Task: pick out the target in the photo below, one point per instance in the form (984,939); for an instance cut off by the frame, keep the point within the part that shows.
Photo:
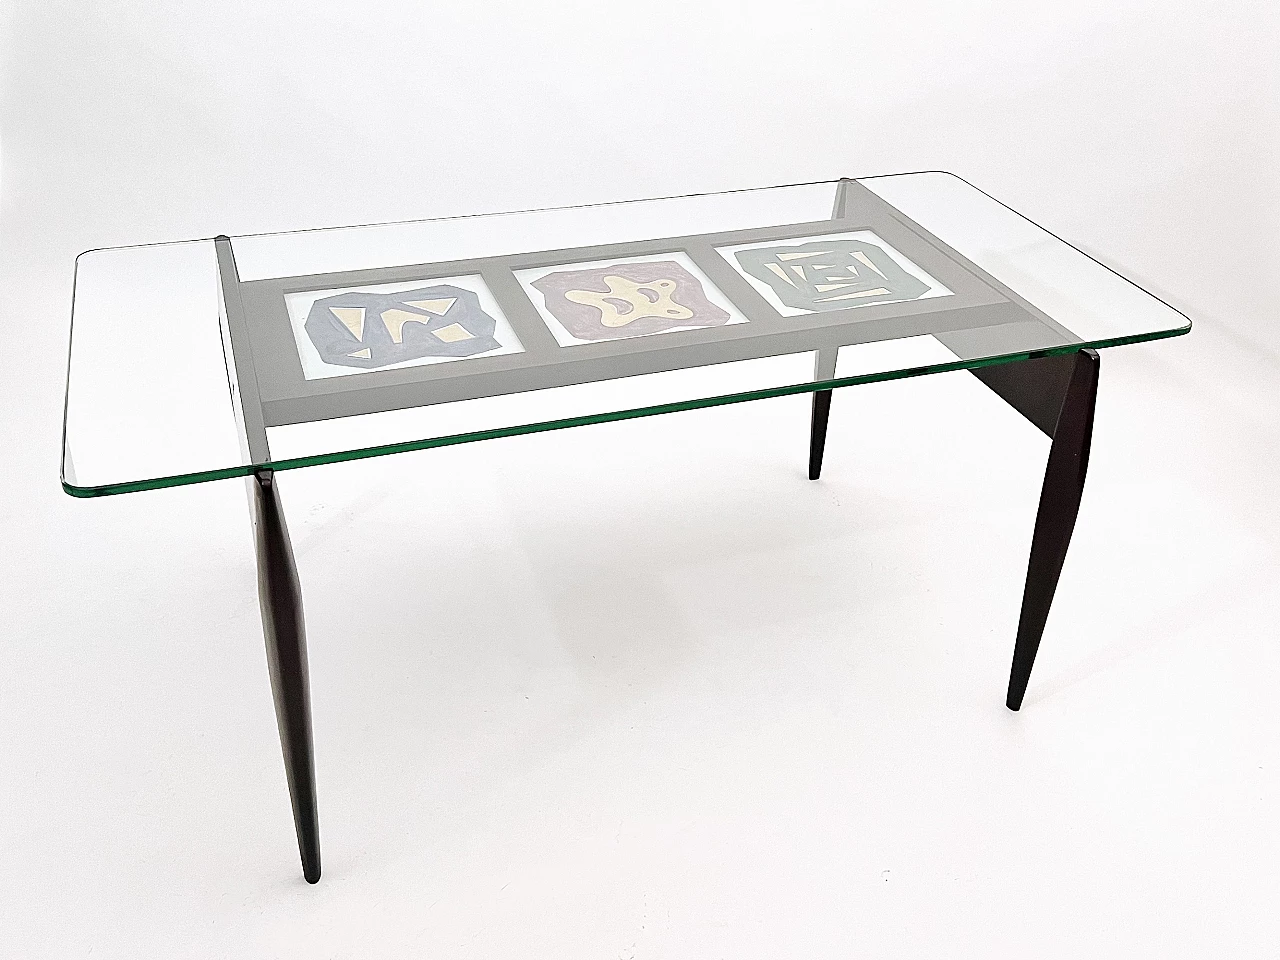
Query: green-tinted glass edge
(405,446)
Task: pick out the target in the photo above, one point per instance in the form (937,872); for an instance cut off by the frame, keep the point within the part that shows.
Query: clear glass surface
(362,341)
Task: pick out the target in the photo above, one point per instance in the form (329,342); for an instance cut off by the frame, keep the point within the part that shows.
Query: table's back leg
(818,431)
(282,623)
(1056,518)
(824,368)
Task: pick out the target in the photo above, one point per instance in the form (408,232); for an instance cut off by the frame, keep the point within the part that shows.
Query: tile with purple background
(628,297)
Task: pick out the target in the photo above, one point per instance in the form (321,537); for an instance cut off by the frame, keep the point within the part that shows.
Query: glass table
(244,356)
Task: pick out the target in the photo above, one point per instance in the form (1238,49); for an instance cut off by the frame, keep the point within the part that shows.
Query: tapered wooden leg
(1056,518)
(824,368)
(281,598)
(818,431)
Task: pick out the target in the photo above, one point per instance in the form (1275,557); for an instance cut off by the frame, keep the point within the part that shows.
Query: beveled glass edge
(765,393)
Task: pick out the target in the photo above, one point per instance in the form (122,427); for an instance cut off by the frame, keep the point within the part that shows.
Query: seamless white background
(641,690)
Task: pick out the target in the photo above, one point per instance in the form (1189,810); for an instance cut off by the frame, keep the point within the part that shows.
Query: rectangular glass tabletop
(208,359)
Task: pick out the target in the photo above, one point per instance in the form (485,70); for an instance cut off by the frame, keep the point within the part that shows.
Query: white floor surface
(643,690)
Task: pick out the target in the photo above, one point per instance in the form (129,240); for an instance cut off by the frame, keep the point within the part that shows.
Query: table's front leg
(1057,394)
(282,623)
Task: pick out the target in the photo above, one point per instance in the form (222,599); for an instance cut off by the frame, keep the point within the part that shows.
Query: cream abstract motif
(830,274)
(627,300)
(352,318)
(370,330)
(394,320)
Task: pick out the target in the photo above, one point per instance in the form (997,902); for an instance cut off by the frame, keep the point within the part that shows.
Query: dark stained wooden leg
(1059,504)
(281,598)
(824,368)
(818,431)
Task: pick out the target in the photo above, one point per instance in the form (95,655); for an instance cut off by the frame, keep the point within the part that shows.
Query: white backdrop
(775,725)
